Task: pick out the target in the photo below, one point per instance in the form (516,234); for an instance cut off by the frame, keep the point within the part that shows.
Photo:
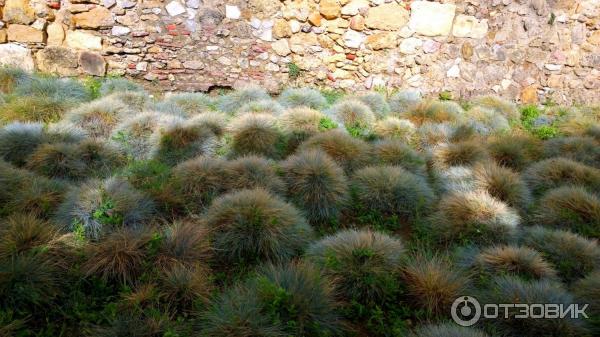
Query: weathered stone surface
(315,19)
(232,12)
(469,26)
(387,17)
(120,30)
(57,60)
(382,41)
(410,45)
(529,95)
(282,29)
(354,7)
(18,11)
(26,34)
(92,63)
(431,18)
(281,47)
(82,40)
(330,9)
(14,55)
(175,8)
(353,39)
(99,17)
(56,34)
(3,36)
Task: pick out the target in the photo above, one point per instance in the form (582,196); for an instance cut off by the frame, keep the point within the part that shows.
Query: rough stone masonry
(528,50)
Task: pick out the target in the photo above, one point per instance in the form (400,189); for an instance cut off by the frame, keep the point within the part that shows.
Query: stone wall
(530,50)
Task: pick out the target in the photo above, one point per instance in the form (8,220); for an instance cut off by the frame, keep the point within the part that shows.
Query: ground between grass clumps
(311,213)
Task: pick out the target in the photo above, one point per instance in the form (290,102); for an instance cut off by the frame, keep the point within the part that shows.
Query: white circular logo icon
(466,311)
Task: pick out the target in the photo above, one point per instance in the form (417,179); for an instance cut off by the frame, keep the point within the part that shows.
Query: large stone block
(382,41)
(56,34)
(387,17)
(469,26)
(16,56)
(330,9)
(57,60)
(25,34)
(82,40)
(18,11)
(431,18)
(98,17)
(92,63)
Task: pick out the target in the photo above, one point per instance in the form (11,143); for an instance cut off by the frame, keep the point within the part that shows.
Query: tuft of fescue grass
(356,116)
(301,123)
(231,102)
(403,101)
(120,257)
(572,255)
(249,227)
(11,77)
(435,112)
(99,206)
(302,97)
(118,85)
(44,109)
(215,121)
(458,154)
(432,284)
(519,261)
(192,103)
(100,117)
(397,153)
(500,106)
(473,217)
(25,192)
(195,183)
(572,208)
(503,184)
(58,89)
(184,288)
(506,289)
(24,233)
(184,243)
(136,101)
(18,140)
(289,300)
(514,151)
(587,291)
(430,135)
(182,141)
(556,172)
(585,150)
(315,184)
(376,102)
(349,152)
(363,265)
(447,330)
(265,106)
(391,191)
(60,161)
(394,128)
(487,121)
(254,172)
(257,134)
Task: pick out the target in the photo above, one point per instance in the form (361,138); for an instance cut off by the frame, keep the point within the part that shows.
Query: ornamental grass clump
(349,152)
(184,243)
(570,208)
(391,191)
(556,172)
(503,107)
(458,154)
(250,227)
(118,86)
(301,123)
(376,102)
(100,117)
(515,151)
(572,255)
(403,101)
(253,172)
(265,106)
(302,97)
(503,184)
(257,134)
(179,142)
(192,103)
(435,112)
(194,184)
(397,153)
(510,289)
(288,300)
(233,101)
(316,185)
(363,265)
(98,207)
(585,150)
(394,128)
(473,217)
(587,291)
(356,116)
(18,140)
(448,330)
